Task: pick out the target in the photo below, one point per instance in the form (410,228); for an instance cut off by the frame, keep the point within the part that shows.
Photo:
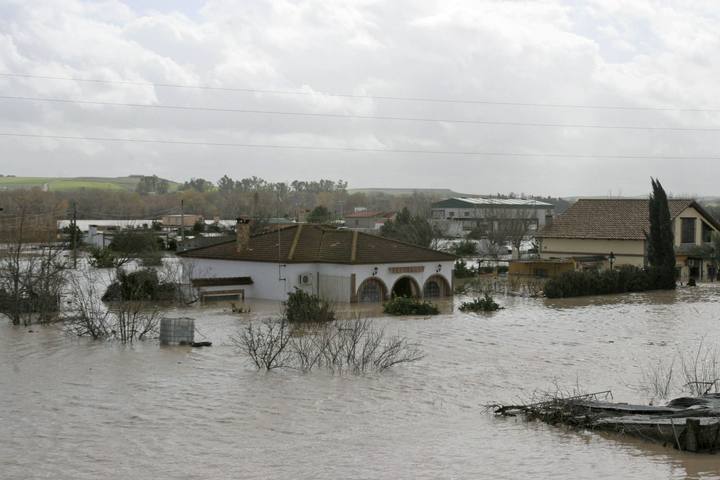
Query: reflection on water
(77,409)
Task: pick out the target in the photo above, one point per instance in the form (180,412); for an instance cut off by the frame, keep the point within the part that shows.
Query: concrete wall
(333,281)
(627,252)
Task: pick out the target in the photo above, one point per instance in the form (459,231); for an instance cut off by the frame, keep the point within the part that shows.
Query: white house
(339,265)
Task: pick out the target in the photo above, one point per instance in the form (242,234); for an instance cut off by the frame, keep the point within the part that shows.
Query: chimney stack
(242,233)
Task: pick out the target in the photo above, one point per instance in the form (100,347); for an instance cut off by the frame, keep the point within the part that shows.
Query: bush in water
(303,307)
(485,304)
(409,306)
(139,285)
(620,280)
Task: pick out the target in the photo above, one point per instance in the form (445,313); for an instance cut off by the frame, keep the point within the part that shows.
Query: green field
(58,184)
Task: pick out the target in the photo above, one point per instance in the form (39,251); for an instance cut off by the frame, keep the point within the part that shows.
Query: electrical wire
(362,117)
(359,96)
(362,149)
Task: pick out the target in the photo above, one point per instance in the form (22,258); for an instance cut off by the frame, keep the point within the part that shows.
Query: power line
(361,149)
(357,96)
(361,117)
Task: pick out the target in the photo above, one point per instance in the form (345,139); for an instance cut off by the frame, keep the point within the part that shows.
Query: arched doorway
(436,286)
(372,290)
(406,287)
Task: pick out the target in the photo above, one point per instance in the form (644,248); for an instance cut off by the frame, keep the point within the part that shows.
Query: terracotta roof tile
(316,244)
(619,219)
(370,214)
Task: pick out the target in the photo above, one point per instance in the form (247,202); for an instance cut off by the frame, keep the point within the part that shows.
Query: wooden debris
(689,423)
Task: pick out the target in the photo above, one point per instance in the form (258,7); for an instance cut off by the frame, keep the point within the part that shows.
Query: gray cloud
(642,53)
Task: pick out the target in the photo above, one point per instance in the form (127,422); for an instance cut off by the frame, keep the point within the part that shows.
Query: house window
(687,231)
(707,232)
(467,213)
(451,214)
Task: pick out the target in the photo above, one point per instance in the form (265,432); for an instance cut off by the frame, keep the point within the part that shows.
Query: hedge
(620,280)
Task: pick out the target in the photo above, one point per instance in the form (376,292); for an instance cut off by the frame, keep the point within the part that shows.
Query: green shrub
(152,259)
(139,285)
(303,307)
(102,258)
(465,248)
(485,304)
(620,280)
(409,306)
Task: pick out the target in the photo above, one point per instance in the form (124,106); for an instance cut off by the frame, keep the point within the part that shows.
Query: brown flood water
(76,409)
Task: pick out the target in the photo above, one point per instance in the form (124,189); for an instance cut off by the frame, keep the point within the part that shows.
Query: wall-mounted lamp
(374,271)
(439,267)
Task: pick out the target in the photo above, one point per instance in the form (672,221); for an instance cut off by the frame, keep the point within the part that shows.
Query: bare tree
(123,320)
(134,320)
(352,346)
(32,267)
(505,226)
(266,344)
(89,316)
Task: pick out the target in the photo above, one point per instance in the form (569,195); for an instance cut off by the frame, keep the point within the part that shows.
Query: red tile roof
(370,214)
(614,219)
(306,243)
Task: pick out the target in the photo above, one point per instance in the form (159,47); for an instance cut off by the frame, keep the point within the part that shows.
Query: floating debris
(688,423)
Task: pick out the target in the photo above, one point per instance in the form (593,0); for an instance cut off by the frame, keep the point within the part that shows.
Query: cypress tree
(661,251)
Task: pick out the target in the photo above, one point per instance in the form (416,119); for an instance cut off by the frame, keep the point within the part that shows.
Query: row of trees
(254,197)
(257,184)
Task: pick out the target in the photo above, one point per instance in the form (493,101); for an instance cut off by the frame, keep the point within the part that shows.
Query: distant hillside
(441,192)
(57,184)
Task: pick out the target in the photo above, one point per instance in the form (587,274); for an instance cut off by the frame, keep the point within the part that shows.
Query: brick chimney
(242,232)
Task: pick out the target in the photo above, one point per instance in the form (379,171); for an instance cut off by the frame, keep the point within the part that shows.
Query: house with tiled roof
(370,220)
(339,265)
(595,232)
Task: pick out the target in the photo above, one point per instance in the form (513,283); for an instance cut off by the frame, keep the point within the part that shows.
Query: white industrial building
(456,217)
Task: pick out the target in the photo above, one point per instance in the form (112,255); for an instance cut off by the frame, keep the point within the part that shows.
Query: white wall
(329,280)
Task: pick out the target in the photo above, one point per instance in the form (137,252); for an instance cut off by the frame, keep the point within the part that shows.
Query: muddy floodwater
(76,409)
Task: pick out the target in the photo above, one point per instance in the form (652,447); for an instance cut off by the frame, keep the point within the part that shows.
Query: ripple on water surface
(76,409)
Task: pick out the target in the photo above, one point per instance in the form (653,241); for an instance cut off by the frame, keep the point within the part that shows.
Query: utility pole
(73,234)
(182,221)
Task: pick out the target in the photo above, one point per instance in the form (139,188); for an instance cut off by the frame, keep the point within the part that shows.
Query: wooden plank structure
(689,423)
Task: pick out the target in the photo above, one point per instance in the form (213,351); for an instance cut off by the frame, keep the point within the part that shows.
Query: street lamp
(612,259)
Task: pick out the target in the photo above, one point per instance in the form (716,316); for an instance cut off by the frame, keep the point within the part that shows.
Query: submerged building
(339,265)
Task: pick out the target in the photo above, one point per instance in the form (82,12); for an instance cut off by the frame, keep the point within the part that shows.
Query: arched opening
(372,290)
(436,286)
(406,287)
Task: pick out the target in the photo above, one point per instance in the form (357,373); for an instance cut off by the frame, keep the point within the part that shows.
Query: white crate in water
(177,331)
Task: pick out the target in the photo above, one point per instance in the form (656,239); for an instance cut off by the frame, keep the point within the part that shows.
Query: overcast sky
(659,57)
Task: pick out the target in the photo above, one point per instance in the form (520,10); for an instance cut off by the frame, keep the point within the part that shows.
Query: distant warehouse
(459,216)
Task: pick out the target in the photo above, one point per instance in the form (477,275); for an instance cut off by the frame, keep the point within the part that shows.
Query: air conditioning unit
(305,278)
